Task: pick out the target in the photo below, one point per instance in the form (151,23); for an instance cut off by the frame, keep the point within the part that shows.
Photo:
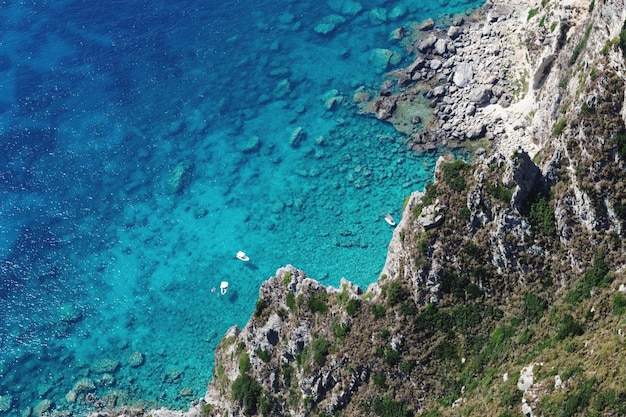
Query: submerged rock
(136,359)
(5,403)
(297,136)
(180,177)
(329,24)
(381,59)
(105,365)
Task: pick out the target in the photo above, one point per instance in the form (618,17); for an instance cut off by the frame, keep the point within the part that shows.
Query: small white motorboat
(390,220)
(223,287)
(242,256)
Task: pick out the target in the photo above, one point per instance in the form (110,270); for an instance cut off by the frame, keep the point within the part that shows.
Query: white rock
(463,74)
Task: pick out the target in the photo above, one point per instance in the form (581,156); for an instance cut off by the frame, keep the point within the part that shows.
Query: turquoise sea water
(144,143)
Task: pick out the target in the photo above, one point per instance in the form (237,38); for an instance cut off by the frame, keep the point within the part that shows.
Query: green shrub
(610,401)
(396,293)
(501,193)
(534,307)
(542,216)
(432,319)
(287,372)
(501,334)
(451,283)
(378,311)
(467,316)
(569,327)
(387,407)
(620,141)
(392,356)
(247,392)
(407,366)
(206,409)
(619,303)
(559,127)
(379,379)
(261,305)
(408,308)
(430,193)
(532,13)
(580,46)
(265,406)
(353,307)
(453,175)
(244,363)
(317,303)
(473,291)
(321,348)
(340,330)
(579,399)
(264,355)
(287,278)
(290,300)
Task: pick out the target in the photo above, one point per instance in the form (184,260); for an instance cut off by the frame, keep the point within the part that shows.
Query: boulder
(398,12)
(251,145)
(441,46)
(454,32)
(42,408)
(345,7)
(430,217)
(136,359)
(476,131)
(427,43)
(84,385)
(297,136)
(426,25)
(179,178)
(480,95)
(418,64)
(328,24)
(463,74)
(104,366)
(435,64)
(381,59)
(384,107)
(5,403)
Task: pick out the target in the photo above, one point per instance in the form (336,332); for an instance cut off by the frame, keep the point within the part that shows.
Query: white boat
(223,287)
(242,256)
(390,220)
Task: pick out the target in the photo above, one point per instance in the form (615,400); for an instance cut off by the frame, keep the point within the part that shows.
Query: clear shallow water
(102,104)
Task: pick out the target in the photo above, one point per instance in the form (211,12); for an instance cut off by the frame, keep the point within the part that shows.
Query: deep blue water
(105,251)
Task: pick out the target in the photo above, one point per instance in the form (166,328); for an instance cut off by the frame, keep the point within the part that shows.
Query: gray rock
(441,46)
(463,74)
(418,64)
(427,25)
(454,32)
(435,64)
(480,95)
(430,217)
(427,43)
(438,91)
(297,136)
(476,131)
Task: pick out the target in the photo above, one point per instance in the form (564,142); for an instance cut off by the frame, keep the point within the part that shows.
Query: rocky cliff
(503,289)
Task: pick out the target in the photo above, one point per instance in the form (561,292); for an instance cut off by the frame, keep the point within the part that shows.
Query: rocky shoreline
(471,76)
(486,78)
